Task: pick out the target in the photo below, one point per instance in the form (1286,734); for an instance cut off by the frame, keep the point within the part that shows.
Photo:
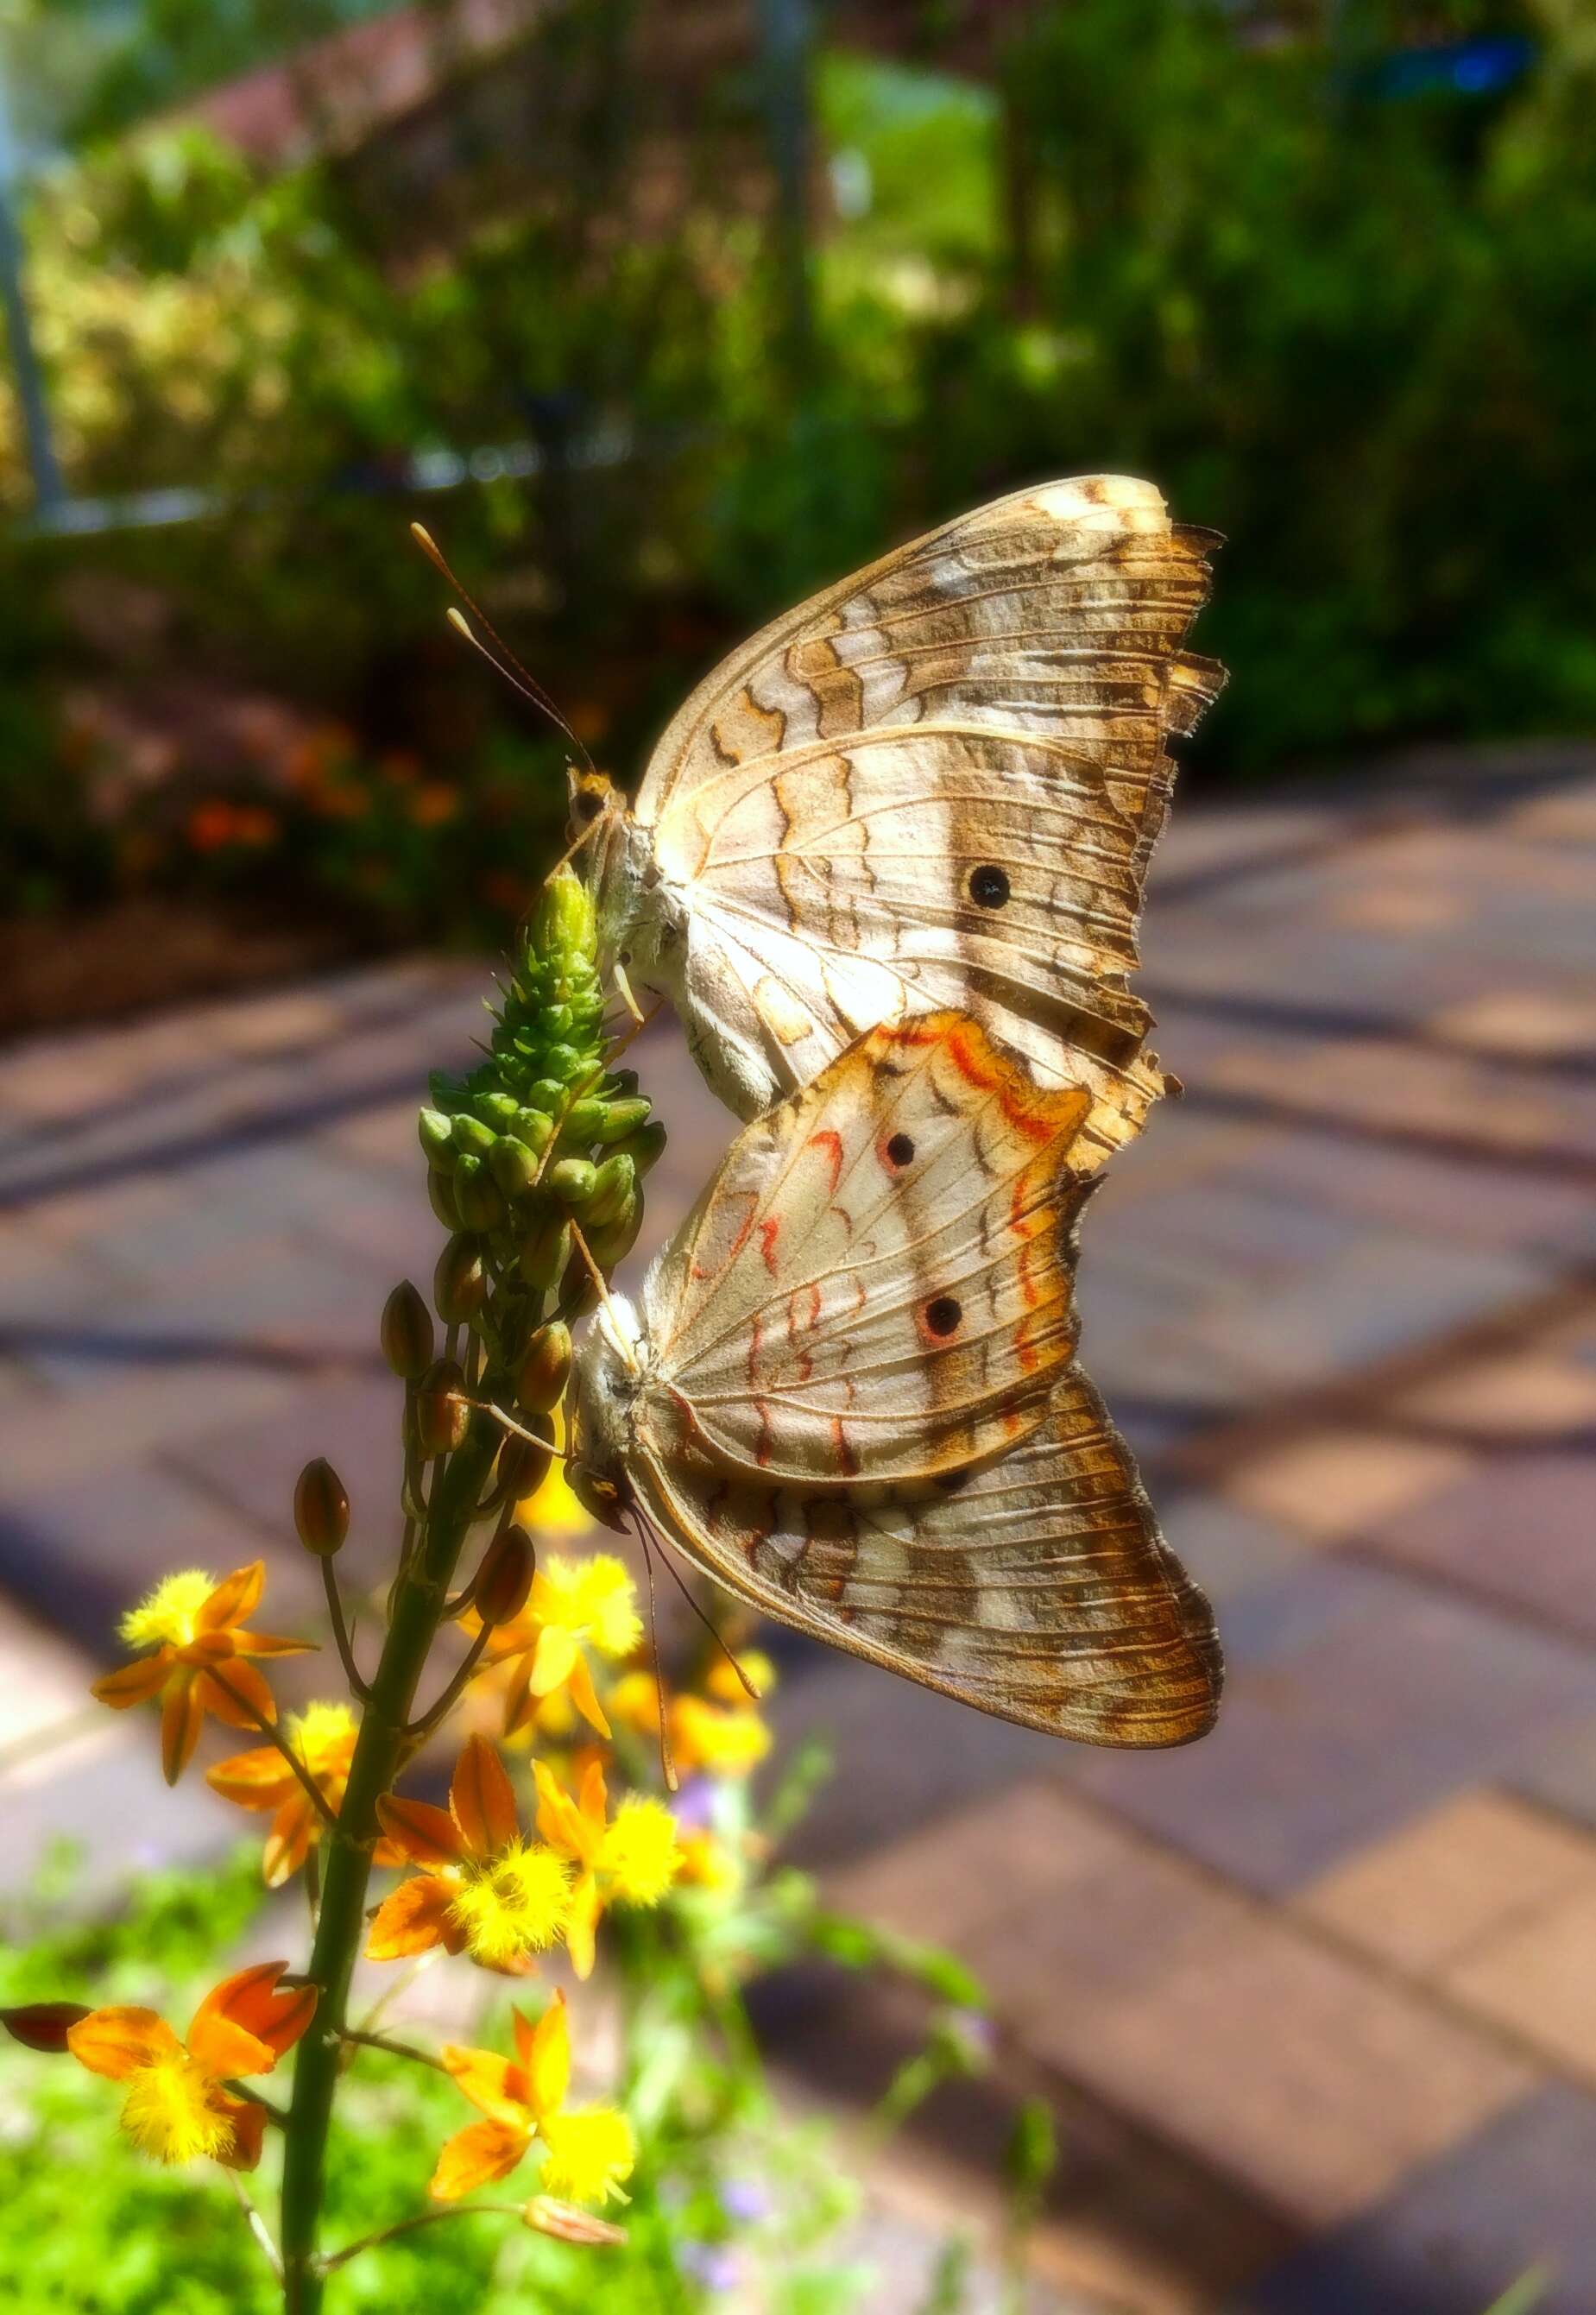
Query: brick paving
(1314,1999)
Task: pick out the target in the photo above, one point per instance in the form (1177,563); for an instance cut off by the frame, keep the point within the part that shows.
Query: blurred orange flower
(194,1628)
(176,2107)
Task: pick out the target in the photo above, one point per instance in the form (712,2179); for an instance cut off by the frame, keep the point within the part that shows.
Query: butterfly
(936,783)
(850,1394)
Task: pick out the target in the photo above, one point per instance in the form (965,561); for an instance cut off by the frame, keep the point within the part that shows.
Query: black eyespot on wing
(900,1149)
(943,1314)
(989,885)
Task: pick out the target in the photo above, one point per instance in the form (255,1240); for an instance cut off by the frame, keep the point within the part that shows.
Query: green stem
(379,1750)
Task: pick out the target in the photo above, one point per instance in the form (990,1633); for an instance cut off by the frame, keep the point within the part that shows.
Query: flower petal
(134,1683)
(411,1919)
(244,1702)
(581,1926)
(225,2049)
(486,2079)
(482,1799)
(249,2133)
(584,1696)
(182,1715)
(117,2042)
(236,1597)
(272,1643)
(257,1779)
(547,2059)
(477,2155)
(427,1834)
(552,1660)
(294,1829)
(276,2015)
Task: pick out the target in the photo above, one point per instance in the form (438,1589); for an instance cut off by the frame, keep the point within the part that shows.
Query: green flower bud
(471,1135)
(504,1578)
(564,929)
(441,1419)
(459,1282)
(547,1093)
(545,1252)
(524,1464)
(437,1137)
(512,1166)
(478,1201)
(622,1117)
(577,1293)
(407,1330)
(565,1063)
(497,1109)
(545,1368)
(43,2026)
(536,1128)
(581,1122)
(571,1180)
(645,1146)
(321,1508)
(440,1197)
(612,1241)
(614,1187)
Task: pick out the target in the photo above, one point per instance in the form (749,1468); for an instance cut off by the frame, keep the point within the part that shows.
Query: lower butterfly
(850,1396)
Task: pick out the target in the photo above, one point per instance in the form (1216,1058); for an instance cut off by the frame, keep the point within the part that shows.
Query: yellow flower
(631,1860)
(323,1737)
(589,2152)
(575,1604)
(724,1738)
(194,1628)
(482,1887)
(176,2107)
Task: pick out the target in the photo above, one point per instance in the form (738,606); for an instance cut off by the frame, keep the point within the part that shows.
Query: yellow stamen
(167,1616)
(168,2111)
(639,1852)
(516,1903)
(590,2154)
(324,1736)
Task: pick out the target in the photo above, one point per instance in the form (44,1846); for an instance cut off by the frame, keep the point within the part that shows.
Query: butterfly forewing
(939,782)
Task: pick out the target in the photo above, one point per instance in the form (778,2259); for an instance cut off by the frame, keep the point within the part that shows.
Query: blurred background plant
(660,317)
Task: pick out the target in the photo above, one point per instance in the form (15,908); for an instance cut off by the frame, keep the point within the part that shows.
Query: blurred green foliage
(1352,333)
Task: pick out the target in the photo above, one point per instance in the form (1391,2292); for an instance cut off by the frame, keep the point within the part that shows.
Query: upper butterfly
(851,1396)
(937,784)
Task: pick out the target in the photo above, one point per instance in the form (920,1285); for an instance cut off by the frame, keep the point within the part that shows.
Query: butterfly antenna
(605,1296)
(667,1760)
(506,664)
(708,1622)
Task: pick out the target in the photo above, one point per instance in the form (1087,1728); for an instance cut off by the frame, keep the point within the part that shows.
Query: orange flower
(433,803)
(210,826)
(193,1627)
(588,2152)
(482,1887)
(631,1859)
(323,1737)
(176,2107)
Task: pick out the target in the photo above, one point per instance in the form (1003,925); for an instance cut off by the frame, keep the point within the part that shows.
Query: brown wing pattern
(1037,1589)
(990,704)
(859,1408)
(880,1278)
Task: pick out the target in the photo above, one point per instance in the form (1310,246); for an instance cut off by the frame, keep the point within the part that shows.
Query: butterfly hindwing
(1040,1590)
(880,1278)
